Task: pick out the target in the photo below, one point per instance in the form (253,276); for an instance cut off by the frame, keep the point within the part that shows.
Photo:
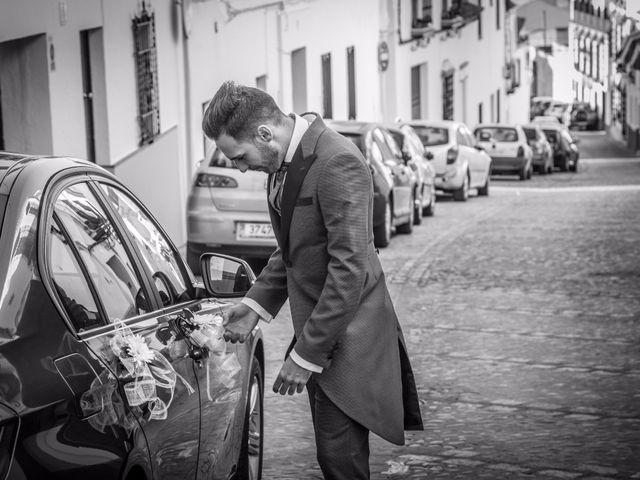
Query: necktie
(275,195)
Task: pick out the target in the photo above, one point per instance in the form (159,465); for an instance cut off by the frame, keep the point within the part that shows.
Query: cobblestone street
(521,314)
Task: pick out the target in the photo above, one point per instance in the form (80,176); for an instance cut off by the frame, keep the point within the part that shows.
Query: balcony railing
(459,14)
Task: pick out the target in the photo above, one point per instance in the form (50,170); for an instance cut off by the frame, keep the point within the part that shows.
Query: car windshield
(431,136)
(219,159)
(500,134)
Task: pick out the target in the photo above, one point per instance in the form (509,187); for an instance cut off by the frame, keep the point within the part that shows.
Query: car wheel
(417,209)
(408,227)
(574,167)
(483,191)
(250,462)
(462,194)
(430,209)
(382,233)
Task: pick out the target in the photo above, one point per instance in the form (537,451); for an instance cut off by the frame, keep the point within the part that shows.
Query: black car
(393,180)
(583,117)
(112,361)
(565,147)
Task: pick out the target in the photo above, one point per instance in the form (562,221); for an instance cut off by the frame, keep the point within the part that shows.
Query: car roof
(433,123)
(351,126)
(496,125)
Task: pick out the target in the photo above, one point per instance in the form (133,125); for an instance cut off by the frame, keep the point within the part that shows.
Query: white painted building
(77,79)
(443,64)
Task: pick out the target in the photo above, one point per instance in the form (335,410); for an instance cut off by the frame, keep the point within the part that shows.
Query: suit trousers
(342,444)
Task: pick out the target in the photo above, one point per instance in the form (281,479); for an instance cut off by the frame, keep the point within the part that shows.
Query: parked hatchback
(459,161)
(508,147)
(227,212)
(393,180)
(112,363)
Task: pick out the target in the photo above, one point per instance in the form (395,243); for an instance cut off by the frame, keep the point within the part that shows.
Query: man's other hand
(291,379)
(239,321)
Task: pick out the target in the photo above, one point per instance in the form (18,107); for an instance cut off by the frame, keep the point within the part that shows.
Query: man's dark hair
(237,110)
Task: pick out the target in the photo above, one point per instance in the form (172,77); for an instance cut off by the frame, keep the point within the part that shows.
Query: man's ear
(264,133)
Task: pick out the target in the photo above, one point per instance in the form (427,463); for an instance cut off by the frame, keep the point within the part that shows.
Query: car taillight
(9,423)
(215,181)
(452,155)
(520,151)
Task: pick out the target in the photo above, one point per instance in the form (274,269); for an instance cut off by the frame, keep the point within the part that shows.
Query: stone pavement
(521,313)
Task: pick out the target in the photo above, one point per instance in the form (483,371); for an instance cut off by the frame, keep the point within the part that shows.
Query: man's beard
(270,156)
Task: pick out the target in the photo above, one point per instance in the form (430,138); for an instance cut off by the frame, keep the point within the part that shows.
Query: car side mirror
(226,276)
(428,155)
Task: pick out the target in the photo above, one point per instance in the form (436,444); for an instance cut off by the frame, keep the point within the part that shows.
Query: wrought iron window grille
(144,34)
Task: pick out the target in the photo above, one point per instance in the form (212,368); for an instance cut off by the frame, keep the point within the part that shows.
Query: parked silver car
(227,212)
(508,147)
(459,161)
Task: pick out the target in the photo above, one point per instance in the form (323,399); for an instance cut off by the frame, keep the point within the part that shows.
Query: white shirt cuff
(256,307)
(301,362)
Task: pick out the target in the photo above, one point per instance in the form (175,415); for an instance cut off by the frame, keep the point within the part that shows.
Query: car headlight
(212,180)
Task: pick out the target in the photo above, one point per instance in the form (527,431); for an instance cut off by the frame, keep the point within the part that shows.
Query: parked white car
(508,147)
(460,162)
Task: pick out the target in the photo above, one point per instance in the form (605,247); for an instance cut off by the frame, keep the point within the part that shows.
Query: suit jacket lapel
(302,160)
(295,176)
(275,218)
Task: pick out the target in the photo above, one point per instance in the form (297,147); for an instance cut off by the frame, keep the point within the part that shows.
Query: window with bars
(447,95)
(144,33)
(416,101)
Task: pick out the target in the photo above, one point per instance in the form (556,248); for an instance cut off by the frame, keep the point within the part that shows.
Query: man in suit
(348,348)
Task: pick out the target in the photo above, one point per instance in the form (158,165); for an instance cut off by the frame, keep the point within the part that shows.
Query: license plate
(247,231)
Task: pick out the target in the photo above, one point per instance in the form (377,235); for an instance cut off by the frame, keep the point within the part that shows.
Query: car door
(124,298)
(220,370)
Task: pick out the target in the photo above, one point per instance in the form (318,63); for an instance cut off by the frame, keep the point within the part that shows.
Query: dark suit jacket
(327,266)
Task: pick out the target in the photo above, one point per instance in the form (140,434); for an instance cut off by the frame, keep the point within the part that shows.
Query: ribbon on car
(150,377)
(207,332)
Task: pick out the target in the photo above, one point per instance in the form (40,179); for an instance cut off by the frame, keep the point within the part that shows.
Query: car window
(70,282)
(460,138)
(383,144)
(431,136)
(376,154)
(531,134)
(156,251)
(101,250)
(500,134)
(471,141)
(552,135)
(395,145)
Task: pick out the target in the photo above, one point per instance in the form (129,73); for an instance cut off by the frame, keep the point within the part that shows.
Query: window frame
(186,273)
(59,183)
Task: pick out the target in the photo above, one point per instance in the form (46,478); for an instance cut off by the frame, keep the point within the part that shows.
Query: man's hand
(291,379)
(239,321)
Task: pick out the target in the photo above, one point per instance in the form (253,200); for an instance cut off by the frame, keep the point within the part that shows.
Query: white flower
(138,349)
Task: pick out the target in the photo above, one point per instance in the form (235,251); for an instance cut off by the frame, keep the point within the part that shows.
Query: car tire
(483,191)
(574,168)
(462,194)
(382,233)
(430,209)
(417,209)
(251,450)
(408,227)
